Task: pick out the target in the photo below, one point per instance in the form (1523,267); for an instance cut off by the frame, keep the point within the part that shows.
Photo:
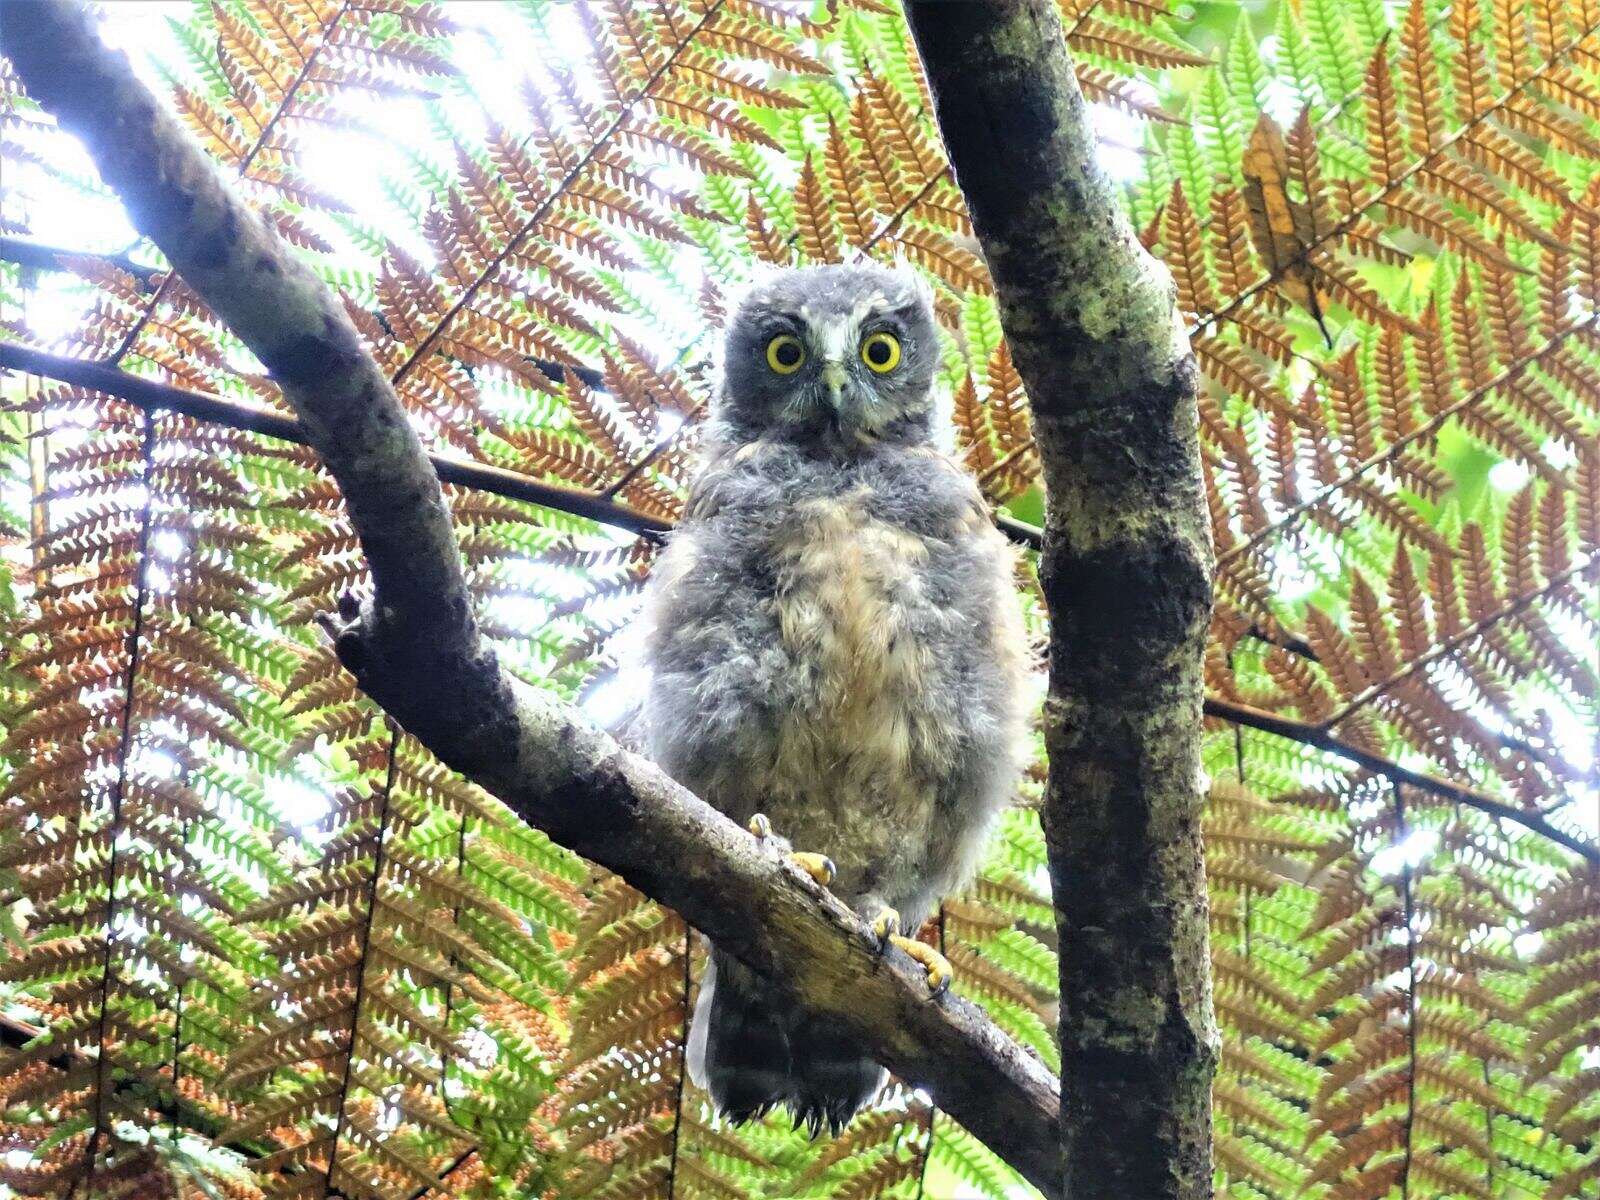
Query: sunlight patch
(1408,852)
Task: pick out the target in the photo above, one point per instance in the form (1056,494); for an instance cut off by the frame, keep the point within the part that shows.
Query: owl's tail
(752,1055)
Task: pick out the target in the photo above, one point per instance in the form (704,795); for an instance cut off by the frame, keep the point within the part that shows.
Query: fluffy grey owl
(835,641)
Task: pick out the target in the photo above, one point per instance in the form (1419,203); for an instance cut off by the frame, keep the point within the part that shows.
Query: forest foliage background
(259,943)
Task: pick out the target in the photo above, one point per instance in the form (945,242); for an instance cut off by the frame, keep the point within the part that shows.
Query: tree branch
(1314,735)
(1126,573)
(257,418)
(28,253)
(417,651)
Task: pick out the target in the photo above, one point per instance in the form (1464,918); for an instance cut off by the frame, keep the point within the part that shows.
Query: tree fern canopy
(257,942)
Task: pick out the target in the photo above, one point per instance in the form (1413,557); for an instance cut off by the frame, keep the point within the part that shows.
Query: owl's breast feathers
(832,646)
(855,600)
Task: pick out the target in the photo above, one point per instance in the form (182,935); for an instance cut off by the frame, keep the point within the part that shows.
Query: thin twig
(366,949)
(119,795)
(256,418)
(1321,739)
(28,253)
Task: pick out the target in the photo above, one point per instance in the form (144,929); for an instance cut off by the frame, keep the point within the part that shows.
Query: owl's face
(838,354)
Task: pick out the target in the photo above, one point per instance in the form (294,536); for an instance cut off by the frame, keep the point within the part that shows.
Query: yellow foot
(938,966)
(819,866)
(885,925)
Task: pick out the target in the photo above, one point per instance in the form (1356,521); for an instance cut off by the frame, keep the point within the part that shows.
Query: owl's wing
(702,499)
(975,513)
(707,493)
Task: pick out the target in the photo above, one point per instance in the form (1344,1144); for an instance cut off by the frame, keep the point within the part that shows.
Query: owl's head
(837,353)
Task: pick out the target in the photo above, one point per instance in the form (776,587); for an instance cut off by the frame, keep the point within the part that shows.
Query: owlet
(835,642)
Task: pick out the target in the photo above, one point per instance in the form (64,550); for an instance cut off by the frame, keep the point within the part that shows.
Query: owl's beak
(833,375)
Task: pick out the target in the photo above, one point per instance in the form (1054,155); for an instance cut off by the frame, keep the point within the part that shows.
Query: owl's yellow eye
(785,354)
(881,352)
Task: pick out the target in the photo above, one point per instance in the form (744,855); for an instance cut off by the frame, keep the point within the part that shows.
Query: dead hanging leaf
(1282,228)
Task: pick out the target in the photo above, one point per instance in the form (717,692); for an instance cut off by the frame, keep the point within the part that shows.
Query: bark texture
(1127,575)
(416,650)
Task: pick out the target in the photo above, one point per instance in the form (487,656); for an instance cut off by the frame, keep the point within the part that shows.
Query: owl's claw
(819,866)
(885,926)
(940,972)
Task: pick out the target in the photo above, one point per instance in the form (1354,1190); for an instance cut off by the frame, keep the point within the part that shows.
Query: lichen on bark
(1126,573)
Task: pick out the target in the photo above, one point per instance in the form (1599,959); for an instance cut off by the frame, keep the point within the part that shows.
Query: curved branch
(417,651)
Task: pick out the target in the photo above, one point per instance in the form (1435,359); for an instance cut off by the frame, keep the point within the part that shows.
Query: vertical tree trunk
(1127,576)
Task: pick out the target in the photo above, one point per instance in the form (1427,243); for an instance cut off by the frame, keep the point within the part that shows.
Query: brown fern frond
(765,244)
(1120,43)
(819,236)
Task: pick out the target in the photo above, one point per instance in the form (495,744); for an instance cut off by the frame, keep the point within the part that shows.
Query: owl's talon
(818,866)
(885,926)
(940,972)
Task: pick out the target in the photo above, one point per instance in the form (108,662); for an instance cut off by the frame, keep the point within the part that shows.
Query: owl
(836,651)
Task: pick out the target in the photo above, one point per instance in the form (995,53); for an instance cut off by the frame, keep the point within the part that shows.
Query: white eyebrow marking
(834,338)
(865,307)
